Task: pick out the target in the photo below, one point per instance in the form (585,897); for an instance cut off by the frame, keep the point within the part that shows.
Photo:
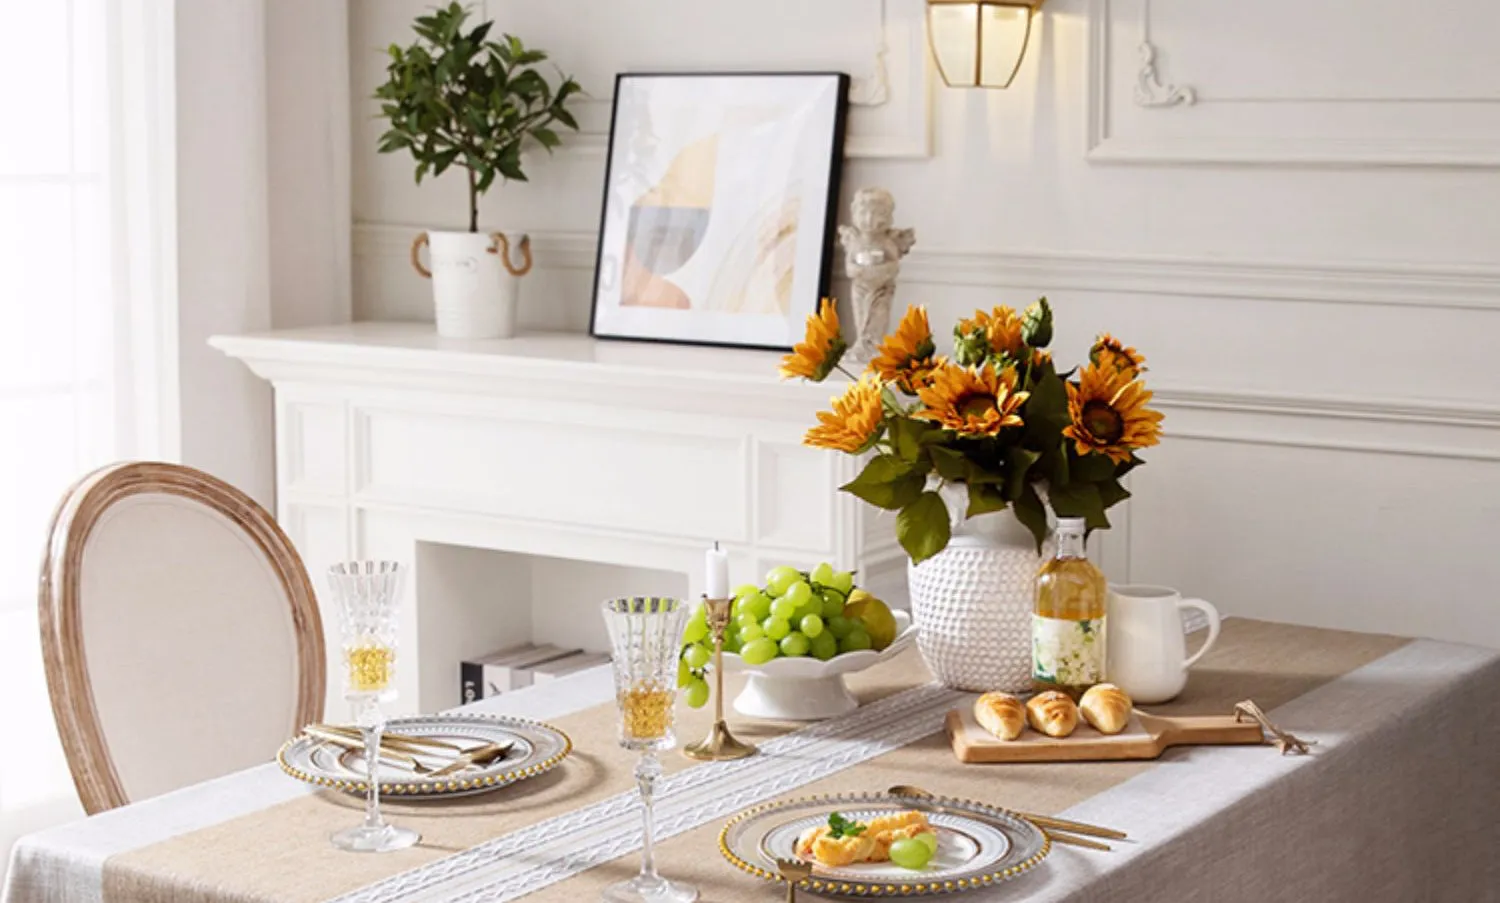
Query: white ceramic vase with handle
(475,283)
(1148,656)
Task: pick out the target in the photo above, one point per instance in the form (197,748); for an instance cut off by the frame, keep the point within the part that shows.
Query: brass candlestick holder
(720,744)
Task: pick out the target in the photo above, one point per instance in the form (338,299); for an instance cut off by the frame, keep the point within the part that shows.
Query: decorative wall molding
(872,98)
(1106,145)
(1423,286)
(1149,89)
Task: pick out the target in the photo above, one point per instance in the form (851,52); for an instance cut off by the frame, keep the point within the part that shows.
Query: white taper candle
(716,562)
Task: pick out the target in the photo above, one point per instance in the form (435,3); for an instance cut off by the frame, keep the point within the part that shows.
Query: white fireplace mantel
(392,442)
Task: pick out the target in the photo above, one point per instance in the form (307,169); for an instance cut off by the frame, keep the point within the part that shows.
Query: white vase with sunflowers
(970,451)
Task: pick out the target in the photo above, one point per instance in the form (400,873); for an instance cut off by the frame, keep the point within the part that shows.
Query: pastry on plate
(844,841)
(1001,714)
(1106,707)
(1052,713)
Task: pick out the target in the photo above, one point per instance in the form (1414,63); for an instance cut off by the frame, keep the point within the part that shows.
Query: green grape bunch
(793,614)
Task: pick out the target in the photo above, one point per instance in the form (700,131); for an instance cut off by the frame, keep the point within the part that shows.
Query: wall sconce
(979,43)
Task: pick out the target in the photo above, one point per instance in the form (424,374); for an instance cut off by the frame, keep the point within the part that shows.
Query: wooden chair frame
(78,725)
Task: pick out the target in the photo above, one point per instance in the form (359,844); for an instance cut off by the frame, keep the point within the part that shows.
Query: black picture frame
(829,210)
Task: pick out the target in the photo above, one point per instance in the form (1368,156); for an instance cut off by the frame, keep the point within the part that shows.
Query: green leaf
(1021,460)
(546,137)
(923,527)
(950,465)
(1058,471)
(984,499)
(1032,514)
(1046,411)
(1112,493)
(1080,500)
(887,482)
(1091,468)
(839,826)
(906,437)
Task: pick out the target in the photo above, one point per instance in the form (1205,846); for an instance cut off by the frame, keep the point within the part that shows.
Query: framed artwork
(719,206)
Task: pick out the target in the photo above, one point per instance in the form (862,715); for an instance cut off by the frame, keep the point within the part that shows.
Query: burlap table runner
(282,853)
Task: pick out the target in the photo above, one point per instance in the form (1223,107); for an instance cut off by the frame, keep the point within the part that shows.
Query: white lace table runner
(563,846)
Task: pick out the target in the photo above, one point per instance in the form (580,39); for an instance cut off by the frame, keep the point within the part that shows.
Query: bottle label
(1066,652)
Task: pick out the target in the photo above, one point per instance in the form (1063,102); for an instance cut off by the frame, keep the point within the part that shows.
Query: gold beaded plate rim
(1023,835)
(549,745)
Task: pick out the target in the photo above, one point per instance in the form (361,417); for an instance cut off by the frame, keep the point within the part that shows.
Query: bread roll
(1001,714)
(1106,707)
(1052,713)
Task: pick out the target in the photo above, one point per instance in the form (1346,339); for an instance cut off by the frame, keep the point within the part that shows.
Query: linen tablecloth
(1397,803)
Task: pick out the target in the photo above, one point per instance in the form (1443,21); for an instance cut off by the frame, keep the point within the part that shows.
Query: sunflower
(907,356)
(854,421)
(1109,352)
(1109,413)
(1004,333)
(972,401)
(998,332)
(820,350)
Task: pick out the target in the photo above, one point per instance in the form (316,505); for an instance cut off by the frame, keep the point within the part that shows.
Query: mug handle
(1213,628)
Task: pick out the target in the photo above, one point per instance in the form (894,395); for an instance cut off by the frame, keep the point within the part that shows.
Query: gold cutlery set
(403,750)
(1060,830)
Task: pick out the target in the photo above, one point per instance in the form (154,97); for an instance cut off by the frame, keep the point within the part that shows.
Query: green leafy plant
(457,98)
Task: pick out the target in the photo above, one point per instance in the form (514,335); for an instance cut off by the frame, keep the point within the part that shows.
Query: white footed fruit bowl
(804,688)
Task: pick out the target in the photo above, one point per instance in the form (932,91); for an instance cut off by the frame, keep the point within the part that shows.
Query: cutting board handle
(1201,730)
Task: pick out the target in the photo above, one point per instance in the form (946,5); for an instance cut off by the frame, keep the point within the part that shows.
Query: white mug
(1147,653)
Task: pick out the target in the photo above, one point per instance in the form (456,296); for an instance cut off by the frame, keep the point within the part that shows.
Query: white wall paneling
(1306,253)
(880,43)
(1287,82)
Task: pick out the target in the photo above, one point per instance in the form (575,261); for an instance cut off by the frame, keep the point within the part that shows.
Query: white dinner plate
(536,748)
(978,845)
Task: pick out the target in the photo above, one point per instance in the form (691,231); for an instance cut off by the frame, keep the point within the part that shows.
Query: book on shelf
(571,664)
(508,669)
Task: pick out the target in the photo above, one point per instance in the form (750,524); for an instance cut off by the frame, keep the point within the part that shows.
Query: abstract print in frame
(719,206)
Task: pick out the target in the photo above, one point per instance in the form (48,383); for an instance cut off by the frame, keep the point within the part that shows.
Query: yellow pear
(879,623)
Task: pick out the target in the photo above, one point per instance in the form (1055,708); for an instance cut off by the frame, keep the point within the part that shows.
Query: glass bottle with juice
(1068,620)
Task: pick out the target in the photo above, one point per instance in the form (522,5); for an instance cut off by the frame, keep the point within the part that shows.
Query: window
(81,253)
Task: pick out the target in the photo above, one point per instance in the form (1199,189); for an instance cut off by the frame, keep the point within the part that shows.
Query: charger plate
(978,845)
(537,748)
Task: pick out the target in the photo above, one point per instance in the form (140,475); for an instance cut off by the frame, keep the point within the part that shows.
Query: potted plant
(970,452)
(457,98)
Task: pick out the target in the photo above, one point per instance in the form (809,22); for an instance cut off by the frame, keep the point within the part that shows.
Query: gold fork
(481,755)
(792,871)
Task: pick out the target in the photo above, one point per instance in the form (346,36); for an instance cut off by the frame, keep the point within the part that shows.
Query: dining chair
(180,632)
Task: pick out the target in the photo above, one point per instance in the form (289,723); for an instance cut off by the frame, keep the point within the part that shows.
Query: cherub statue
(872,258)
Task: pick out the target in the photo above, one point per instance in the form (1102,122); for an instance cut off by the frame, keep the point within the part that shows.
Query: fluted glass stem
(647,770)
(371,725)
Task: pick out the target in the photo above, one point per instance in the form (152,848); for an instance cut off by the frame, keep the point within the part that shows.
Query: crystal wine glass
(368,593)
(646,636)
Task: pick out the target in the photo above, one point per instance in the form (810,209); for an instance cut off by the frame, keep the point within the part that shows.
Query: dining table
(1397,799)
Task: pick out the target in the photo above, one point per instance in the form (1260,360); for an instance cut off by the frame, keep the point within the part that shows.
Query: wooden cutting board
(1143,738)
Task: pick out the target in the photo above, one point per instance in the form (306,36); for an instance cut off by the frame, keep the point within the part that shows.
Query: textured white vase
(972,602)
(475,284)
